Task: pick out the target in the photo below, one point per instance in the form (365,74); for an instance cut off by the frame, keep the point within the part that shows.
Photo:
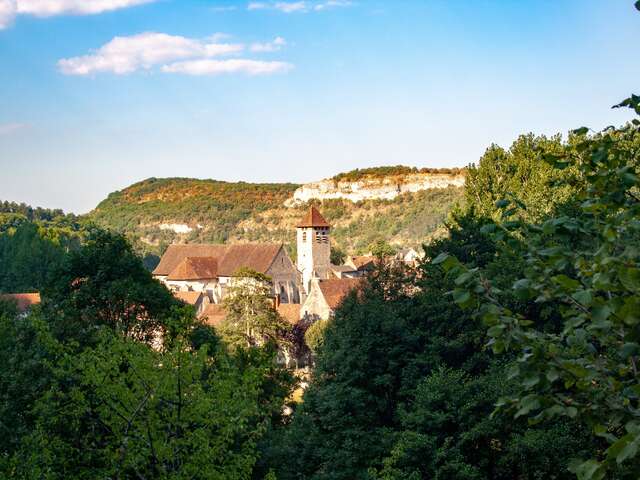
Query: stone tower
(314,247)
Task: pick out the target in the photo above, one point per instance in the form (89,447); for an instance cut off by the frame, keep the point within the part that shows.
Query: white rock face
(176,227)
(386,188)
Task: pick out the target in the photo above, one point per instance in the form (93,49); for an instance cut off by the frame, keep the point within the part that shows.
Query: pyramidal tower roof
(313,218)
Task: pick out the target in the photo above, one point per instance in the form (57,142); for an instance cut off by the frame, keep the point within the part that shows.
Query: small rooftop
(334,290)
(313,218)
(23,301)
(190,298)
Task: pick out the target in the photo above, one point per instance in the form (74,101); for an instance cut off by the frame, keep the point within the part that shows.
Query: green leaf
(464,278)
(566,282)
(502,203)
(589,470)
(629,349)
(440,258)
(496,330)
(461,297)
(583,297)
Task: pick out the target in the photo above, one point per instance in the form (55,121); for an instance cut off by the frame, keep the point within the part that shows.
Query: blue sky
(98,94)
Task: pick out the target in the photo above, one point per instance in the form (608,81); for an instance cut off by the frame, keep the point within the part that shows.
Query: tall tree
(251,318)
(585,267)
(105,283)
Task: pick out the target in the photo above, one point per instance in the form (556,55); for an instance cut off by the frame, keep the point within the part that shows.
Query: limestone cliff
(374,187)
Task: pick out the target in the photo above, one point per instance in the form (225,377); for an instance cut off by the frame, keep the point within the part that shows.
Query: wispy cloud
(47,8)
(173,54)
(299,6)
(268,47)
(224,8)
(9,128)
(7,12)
(331,4)
(124,55)
(235,65)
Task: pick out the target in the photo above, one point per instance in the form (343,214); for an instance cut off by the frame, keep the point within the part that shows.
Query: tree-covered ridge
(33,242)
(227,212)
(392,171)
(189,201)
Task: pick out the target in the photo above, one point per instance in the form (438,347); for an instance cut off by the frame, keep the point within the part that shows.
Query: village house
(212,269)
(199,300)
(325,296)
(200,275)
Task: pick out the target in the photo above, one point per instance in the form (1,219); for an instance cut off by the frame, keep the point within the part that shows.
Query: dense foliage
(391,171)
(111,378)
(582,267)
(32,243)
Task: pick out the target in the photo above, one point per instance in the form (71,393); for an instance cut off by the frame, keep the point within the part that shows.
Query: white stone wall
(315,306)
(314,254)
(386,188)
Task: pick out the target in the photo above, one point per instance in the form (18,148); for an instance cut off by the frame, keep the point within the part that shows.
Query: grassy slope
(243,211)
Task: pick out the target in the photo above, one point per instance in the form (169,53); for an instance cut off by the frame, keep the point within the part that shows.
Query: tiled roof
(24,301)
(256,256)
(190,298)
(194,268)
(335,289)
(230,258)
(213,314)
(313,218)
(362,262)
(290,312)
(342,268)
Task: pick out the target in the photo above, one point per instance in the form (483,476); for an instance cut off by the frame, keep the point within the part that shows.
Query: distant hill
(157,212)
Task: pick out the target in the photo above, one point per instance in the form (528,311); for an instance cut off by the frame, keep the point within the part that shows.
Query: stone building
(314,248)
(325,296)
(202,274)
(212,269)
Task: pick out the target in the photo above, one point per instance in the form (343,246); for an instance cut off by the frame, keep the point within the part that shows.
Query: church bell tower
(314,247)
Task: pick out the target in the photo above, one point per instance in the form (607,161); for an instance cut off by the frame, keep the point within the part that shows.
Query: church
(312,287)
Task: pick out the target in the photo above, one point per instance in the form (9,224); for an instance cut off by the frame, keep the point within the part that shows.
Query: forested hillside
(33,242)
(156,212)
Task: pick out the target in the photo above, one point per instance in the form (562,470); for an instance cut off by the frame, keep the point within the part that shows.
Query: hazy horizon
(98,95)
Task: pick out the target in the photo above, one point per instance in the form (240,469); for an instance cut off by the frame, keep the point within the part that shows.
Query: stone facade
(314,248)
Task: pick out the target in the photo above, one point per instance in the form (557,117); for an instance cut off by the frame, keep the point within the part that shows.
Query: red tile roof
(195,268)
(362,262)
(313,218)
(213,314)
(230,258)
(190,298)
(23,301)
(290,312)
(335,289)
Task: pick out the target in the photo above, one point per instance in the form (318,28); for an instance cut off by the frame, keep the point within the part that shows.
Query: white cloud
(47,8)
(299,6)
(268,47)
(9,128)
(331,4)
(124,55)
(219,67)
(223,8)
(7,12)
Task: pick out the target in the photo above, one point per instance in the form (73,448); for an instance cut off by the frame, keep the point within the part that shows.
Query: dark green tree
(105,283)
